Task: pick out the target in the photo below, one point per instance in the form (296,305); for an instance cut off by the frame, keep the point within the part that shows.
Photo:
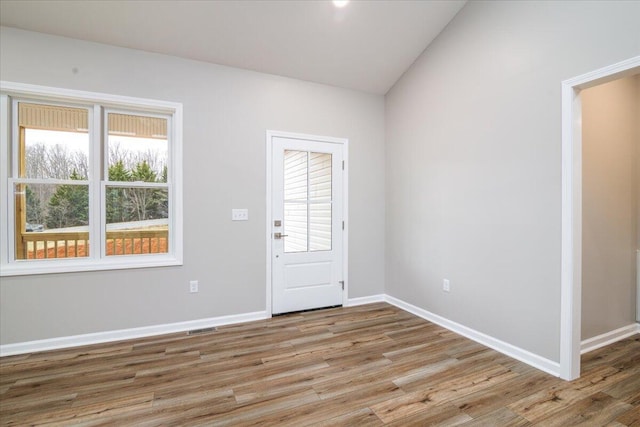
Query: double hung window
(89,181)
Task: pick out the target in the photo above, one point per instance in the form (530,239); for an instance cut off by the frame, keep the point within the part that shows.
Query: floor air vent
(201,331)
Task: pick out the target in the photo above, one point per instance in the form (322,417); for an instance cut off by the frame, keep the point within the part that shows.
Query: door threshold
(307,310)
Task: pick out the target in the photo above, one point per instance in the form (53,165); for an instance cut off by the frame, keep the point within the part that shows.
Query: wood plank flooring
(368,365)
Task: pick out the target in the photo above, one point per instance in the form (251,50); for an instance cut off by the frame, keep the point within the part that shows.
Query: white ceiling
(366,45)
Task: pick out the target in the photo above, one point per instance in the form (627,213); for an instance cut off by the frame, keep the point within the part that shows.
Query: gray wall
(473,149)
(610,139)
(226,114)
(472,163)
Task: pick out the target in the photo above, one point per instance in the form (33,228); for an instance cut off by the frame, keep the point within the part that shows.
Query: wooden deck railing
(72,244)
(123,242)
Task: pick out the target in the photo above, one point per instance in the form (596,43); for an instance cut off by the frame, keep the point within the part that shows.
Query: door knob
(279,235)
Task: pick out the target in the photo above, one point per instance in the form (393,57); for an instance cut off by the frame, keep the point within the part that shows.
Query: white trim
(270,134)
(176,170)
(571,257)
(345,218)
(54,265)
(610,337)
(97,204)
(571,254)
(269,216)
(72,95)
(6,253)
(522,355)
(510,350)
(352,302)
(126,334)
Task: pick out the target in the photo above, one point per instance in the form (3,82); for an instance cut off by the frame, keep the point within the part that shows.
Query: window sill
(26,268)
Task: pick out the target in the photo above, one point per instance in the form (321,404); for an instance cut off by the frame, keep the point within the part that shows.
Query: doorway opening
(571,264)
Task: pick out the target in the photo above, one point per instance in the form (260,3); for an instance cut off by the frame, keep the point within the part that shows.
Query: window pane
(53,142)
(307,178)
(138,148)
(320,227)
(319,176)
(137,220)
(295,227)
(295,175)
(51,221)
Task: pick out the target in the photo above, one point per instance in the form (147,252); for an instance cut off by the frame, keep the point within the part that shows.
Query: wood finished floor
(368,365)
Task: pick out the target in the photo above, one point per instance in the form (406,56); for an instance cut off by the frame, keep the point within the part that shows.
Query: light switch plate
(239,214)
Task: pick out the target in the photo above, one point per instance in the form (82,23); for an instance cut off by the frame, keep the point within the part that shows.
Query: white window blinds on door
(307,201)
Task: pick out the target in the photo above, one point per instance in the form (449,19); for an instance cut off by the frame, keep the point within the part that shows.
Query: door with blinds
(306,224)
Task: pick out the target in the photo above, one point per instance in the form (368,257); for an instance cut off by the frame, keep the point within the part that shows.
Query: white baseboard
(352,302)
(125,334)
(610,337)
(525,356)
(538,362)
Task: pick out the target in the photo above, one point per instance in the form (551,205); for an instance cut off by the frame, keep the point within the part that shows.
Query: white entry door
(306,224)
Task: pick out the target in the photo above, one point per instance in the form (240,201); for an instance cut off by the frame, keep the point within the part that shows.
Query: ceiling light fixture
(340,3)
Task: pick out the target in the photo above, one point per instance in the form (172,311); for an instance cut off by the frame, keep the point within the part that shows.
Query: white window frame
(97,104)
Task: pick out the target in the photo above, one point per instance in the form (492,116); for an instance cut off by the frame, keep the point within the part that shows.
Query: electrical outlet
(446,286)
(193,286)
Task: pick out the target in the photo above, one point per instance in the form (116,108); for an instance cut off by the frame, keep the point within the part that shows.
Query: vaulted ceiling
(366,45)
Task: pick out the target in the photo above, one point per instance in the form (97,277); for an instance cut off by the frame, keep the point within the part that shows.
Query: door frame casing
(270,134)
(571,254)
